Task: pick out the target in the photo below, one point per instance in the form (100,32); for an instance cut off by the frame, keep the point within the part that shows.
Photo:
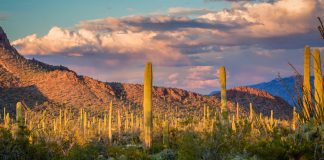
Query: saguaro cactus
(237,112)
(318,84)
(222,72)
(251,112)
(233,124)
(148,125)
(119,124)
(109,122)
(19,117)
(7,121)
(294,119)
(307,97)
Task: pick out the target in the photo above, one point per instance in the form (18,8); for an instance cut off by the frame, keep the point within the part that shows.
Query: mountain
(283,87)
(43,86)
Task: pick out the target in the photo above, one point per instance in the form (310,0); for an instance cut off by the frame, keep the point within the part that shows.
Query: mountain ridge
(36,82)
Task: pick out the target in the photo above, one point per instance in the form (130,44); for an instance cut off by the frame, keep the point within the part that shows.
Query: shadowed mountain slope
(262,101)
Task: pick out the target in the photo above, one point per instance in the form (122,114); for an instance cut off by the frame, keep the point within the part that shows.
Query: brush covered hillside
(36,83)
(262,101)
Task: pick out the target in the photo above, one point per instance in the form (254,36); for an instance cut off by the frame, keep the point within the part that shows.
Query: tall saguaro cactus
(307,97)
(148,125)
(223,87)
(109,122)
(318,84)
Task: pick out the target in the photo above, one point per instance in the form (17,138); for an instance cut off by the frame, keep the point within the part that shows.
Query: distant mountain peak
(4,42)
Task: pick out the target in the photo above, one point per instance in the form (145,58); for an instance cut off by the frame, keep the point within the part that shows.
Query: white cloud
(188,11)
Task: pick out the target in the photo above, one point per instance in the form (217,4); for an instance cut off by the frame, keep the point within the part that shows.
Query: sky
(187,40)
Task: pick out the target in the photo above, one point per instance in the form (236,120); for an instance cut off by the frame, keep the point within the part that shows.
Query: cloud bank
(254,41)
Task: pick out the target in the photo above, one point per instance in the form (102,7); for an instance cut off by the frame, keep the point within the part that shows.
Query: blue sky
(38,16)
(187,40)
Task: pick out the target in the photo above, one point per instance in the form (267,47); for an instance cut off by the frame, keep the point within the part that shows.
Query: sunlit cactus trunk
(318,85)
(119,124)
(110,122)
(7,121)
(60,121)
(307,98)
(85,121)
(271,117)
(237,112)
(148,125)
(233,124)
(99,126)
(222,72)
(126,121)
(294,119)
(54,126)
(132,123)
(65,117)
(251,112)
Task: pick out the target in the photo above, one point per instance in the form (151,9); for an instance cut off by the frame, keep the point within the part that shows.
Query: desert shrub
(189,147)
(19,148)
(86,152)
(130,152)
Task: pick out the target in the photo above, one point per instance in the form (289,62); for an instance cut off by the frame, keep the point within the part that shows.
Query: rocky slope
(35,83)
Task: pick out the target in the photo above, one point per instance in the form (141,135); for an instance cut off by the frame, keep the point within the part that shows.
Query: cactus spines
(307,98)
(110,122)
(19,117)
(148,79)
(318,84)
(222,72)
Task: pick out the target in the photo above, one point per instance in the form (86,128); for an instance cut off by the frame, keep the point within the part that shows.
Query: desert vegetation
(119,132)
